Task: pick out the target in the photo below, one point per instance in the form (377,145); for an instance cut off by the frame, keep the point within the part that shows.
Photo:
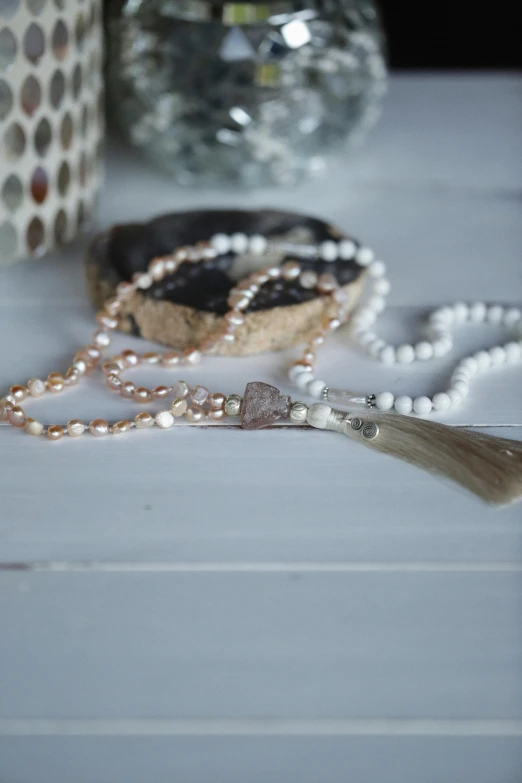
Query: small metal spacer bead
(371,401)
(325,393)
(233,405)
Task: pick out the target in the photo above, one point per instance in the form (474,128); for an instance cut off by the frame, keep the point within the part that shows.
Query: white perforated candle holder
(51,122)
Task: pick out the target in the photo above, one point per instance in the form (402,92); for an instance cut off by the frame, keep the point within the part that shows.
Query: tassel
(488,466)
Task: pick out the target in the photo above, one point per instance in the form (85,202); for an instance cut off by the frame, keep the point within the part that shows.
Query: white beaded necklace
(197,404)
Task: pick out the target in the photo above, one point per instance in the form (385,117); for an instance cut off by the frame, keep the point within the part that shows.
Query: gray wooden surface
(214,605)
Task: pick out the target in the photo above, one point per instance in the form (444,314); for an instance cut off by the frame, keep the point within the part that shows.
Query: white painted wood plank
(258,760)
(277,646)
(132,502)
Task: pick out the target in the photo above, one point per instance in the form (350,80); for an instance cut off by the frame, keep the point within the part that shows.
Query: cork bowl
(181,310)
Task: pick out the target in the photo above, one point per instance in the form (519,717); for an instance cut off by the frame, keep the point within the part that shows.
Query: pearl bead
(377,269)
(513,352)
(127,389)
(171,358)
(36,387)
(80,365)
(238,301)
(364,256)
(483,360)
(326,284)
(462,387)
(75,428)
(328,251)
(461,312)
(107,320)
(347,249)
(364,318)
(101,338)
(512,316)
(404,405)
(55,432)
(16,416)
(143,421)
(130,358)
(113,381)
(194,414)
(120,427)
(217,400)
(216,414)
(234,318)
(366,338)
(375,348)
(55,382)
(6,405)
(156,269)
(303,379)
(298,412)
(18,392)
(239,242)
(149,357)
(495,314)
(99,428)
(160,392)
(424,350)
(181,389)
(477,312)
(72,376)
(422,405)
(199,395)
(308,279)
(164,419)
(221,243)
(192,356)
(441,347)
(455,397)
(382,286)
(405,354)
(384,401)
(316,388)
(441,401)
(498,356)
(387,355)
(291,270)
(233,405)
(33,427)
(142,394)
(257,244)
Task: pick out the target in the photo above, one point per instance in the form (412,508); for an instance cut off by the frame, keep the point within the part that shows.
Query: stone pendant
(263,405)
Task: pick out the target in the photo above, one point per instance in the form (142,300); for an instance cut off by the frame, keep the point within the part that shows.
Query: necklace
(262,404)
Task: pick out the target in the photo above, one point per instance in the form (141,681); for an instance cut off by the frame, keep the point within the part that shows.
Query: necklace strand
(197,404)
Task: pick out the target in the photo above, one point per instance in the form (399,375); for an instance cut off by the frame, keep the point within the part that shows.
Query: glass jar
(249,93)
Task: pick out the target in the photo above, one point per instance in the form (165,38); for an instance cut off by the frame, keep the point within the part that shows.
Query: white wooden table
(218,606)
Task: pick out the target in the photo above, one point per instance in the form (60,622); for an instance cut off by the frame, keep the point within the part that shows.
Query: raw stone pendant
(263,405)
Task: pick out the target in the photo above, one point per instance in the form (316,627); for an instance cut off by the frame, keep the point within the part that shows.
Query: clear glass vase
(244,93)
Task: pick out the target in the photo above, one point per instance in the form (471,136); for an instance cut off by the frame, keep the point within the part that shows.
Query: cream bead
(164,420)
(462,388)
(364,256)
(377,269)
(382,286)
(303,379)
(33,427)
(179,407)
(308,279)
(498,356)
(513,352)
(424,350)
(199,395)
(257,244)
(384,401)
(99,428)
(405,354)
(441,402)
(291,270)
(477,312)
(239,242)
(75,428)
(461,312)
(221,243)
(422,405)
(217,400)
(512,317)
(495,314)
(181,389)
(470,364)
(316,388)
(347,249)
(388,355)
(328,251)
(216,414)
(483,360)
(404,405)
(455,397)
